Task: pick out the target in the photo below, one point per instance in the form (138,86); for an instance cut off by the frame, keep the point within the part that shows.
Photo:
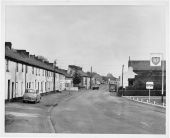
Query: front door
(8,90)
(12,90)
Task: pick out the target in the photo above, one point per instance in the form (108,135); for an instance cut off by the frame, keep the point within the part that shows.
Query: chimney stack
(23,53)
(8,45)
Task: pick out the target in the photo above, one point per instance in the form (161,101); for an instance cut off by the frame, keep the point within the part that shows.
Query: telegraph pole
(122,78)
(54,74)
(162,79)
(91,78)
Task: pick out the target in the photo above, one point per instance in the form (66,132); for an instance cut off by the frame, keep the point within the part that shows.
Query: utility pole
(91,78)
(122,78)
(162,80)
(54,74)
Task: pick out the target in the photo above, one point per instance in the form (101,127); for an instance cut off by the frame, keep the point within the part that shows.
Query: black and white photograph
(85,68)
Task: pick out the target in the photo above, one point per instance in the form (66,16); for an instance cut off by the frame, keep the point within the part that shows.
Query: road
(92,111)
(98,112)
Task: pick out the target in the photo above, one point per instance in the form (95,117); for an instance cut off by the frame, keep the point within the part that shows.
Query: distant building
(139,72)
(85,78)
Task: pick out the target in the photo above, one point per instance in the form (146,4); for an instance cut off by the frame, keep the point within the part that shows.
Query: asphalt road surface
(92,111)
(96,111)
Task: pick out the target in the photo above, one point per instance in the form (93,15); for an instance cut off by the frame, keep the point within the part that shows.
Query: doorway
(8,90)
(12,90)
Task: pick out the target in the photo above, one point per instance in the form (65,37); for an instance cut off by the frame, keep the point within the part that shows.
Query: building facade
(24,71)
(139,72)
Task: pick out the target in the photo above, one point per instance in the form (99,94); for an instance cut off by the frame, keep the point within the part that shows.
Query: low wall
(72,88)
(141,92)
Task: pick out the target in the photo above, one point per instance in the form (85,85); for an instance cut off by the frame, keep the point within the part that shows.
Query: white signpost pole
(149,85)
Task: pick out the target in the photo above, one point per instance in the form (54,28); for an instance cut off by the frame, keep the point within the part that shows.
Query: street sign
(149,85)
(155,59)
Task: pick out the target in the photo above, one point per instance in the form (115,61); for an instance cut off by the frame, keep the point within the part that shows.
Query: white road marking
(22,114)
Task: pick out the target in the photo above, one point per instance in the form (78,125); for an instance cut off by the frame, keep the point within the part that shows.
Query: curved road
(98,112)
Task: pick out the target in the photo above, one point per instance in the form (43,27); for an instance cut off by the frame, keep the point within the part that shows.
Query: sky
(99,36)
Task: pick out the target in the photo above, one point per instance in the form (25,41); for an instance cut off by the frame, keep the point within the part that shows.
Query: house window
(29,84)
(131,82)
(16,67)
(7,65)
(35,84)
(32,70)
(22,68)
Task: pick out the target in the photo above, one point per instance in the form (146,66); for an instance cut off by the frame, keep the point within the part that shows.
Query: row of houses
(24,71)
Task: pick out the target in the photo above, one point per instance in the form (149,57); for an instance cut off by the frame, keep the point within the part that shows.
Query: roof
(75,67)
(15,56)
(144,65)
(65,73)
(82,73)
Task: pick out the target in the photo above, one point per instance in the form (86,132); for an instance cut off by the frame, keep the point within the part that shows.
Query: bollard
(137,99)
(154,102)
(147,101)
(141,100)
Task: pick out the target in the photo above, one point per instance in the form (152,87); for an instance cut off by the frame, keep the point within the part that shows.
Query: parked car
(31,95)
(95,86)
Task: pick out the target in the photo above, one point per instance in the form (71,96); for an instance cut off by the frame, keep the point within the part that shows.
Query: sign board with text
(149,85)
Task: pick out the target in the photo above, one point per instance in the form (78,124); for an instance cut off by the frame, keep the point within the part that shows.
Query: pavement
(32,118)
(86,111)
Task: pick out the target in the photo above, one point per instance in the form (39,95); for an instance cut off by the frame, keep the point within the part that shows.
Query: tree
(76,78)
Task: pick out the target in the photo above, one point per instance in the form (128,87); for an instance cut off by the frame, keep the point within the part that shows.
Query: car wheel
(23,101)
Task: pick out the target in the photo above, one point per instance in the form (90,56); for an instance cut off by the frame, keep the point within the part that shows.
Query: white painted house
(26,71)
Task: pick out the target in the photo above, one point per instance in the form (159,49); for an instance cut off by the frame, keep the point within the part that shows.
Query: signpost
(156,60)
(149,85)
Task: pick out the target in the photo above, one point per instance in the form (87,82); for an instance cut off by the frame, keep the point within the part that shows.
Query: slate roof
(82,73)
(75,67)
(144,65)
(13,55)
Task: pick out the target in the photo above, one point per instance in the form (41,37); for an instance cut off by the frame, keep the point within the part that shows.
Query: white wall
(19,78)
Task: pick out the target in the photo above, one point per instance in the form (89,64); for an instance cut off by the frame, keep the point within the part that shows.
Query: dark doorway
(8,90)
(12,90)
(38,86)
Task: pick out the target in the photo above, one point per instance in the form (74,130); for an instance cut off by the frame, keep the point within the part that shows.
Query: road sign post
(157,60)
(149,85)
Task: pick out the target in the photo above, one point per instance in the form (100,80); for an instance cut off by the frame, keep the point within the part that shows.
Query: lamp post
(122,78)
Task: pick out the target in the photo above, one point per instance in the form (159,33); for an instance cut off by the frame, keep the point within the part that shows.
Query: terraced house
(27,71)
